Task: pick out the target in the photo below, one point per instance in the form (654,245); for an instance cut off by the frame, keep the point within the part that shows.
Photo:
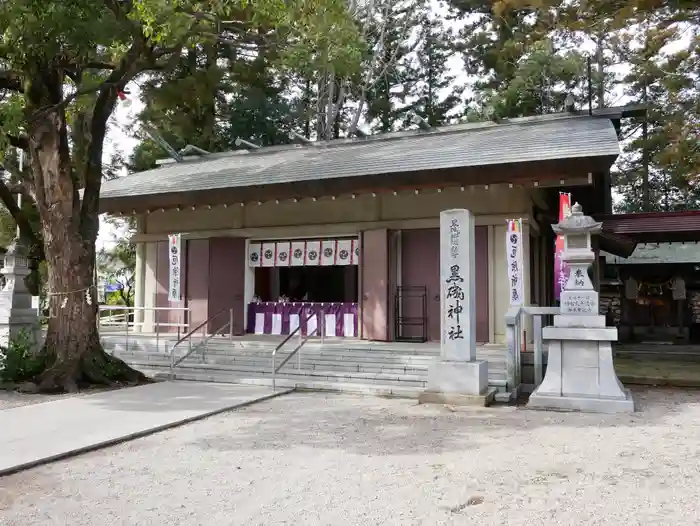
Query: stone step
(325,376)
(203,372)
(316,354)
(309,364)
(318,359)
(394,391)
(321,354)
(307,383)
(370,348)
(229,346)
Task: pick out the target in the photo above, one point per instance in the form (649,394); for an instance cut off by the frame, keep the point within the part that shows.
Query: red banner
(561,272)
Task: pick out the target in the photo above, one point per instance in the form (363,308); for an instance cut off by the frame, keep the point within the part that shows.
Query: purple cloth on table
(303,310)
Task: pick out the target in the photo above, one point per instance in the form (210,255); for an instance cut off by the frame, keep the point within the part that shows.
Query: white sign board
(514,258)
(458,285)
(175,267)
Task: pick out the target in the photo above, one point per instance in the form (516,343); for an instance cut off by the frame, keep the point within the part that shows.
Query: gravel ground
(9,399)
(313,459)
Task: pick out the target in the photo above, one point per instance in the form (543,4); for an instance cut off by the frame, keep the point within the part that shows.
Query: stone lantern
(578,296)
(580,372)
(16,312)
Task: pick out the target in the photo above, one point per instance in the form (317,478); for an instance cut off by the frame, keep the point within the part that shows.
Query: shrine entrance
(655,307)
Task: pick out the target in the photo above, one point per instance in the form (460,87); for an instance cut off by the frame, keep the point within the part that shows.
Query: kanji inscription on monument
(579,302)
(457,284)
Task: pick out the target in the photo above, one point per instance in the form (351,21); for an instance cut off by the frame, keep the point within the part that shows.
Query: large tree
(642,51)
(63,64)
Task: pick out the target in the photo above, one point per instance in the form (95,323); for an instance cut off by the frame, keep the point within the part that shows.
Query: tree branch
(25,227)
(11,81)
(140,57)
(21,141)
(99,65)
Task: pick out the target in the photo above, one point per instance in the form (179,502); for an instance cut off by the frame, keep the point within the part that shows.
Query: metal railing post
(172,363)
(274,370)
(230,325)
(126,328)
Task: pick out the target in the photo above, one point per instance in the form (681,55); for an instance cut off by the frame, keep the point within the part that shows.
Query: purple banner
(561,274)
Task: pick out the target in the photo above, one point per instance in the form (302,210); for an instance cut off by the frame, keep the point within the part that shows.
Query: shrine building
(348,229)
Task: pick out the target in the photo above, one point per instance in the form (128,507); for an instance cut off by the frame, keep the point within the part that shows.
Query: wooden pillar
(374,259)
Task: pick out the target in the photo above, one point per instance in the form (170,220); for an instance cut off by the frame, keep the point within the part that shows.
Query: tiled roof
(544,138)
(654,226)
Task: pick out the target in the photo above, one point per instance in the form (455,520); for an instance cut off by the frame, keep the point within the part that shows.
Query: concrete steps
(308,364)
(364,367)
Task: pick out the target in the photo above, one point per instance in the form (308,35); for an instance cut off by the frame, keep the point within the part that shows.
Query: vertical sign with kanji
(514,259)
(175,267)
(457,277)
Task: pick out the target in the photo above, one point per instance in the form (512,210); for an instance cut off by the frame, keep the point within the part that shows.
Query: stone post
(16,311)
(457,377)
(580,372)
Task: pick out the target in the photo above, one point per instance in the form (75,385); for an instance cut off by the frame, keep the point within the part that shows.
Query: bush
(18,361)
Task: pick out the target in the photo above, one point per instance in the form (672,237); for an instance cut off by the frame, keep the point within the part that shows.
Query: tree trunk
(73,352)
(72,348)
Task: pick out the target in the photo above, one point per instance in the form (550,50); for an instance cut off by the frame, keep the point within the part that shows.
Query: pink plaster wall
(420,266)
(197,284)
(227,260)
(374,258)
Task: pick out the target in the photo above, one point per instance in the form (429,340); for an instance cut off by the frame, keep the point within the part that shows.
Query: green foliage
(528,54)
(541,81)
(436,97)
(117,264)
(19,361)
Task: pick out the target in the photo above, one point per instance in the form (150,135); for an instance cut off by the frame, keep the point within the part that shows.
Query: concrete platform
(582,404)
(37,434)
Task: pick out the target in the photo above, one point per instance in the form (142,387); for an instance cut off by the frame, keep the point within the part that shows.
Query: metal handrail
(275,369)
(205,338)
(107,321)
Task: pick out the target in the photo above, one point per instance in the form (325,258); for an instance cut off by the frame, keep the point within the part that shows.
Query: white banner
(328,252)
(355,252)
(313,253)
(298,253)
(514,255)
(175,266)
(282,254)
(344,255)
(268,254)
(255,254)
(308,253)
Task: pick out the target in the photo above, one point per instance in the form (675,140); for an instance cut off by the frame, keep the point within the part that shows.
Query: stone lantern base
(580,373)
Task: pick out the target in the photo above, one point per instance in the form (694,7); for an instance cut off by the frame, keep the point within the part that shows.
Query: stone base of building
(583,404)
(436,397)
(457,380)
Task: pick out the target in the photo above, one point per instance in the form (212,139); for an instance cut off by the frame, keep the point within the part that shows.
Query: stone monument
(457,377)
(16,311)
(580,373)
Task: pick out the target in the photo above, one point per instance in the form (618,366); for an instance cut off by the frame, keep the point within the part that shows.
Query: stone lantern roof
(577,223)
